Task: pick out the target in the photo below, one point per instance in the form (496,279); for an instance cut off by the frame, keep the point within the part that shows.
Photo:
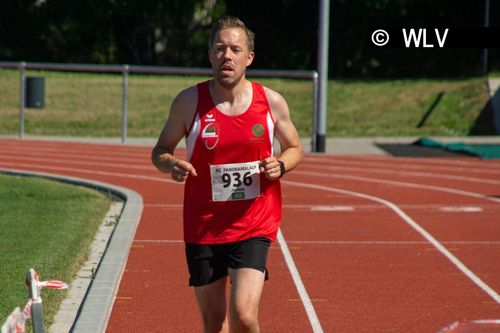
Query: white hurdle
(33,309)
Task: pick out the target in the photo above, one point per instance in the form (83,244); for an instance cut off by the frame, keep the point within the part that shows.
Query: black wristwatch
(282,168)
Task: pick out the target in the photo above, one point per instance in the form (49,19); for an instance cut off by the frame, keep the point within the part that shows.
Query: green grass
(48,226)
(395,108)
(82,104)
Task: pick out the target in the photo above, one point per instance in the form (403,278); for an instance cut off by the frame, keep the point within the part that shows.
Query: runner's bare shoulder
(185,104)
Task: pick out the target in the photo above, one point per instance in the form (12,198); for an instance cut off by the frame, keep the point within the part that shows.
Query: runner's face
(229,56)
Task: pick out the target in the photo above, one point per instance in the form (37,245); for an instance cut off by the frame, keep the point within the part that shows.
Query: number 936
(236,179)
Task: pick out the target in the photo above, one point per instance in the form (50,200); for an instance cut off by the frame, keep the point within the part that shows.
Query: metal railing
(125,70)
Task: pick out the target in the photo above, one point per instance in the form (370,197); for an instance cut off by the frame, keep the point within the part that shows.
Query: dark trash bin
(35,92)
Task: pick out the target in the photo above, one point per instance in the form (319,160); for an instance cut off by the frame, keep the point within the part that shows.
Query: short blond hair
(227,22)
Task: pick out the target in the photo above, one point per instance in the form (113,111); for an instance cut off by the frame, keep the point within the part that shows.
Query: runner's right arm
(180,116)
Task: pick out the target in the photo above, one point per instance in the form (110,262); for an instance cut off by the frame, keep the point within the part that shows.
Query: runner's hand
(271,168)
(181,170)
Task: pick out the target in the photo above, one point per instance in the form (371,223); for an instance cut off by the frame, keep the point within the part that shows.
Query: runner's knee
(244,320)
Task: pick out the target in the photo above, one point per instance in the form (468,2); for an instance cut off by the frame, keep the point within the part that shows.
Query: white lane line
(73,155)
(114,164)
(465,207)
(81,151)
(301,289)
(403,184)
(461,209)
(390,164)
(332,208)
(406,173)
(319,242)
(92,172)
(316,206)
(421,162)
(473,277)
(430,162)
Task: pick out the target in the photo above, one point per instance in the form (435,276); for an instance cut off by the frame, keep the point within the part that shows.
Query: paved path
(334,146)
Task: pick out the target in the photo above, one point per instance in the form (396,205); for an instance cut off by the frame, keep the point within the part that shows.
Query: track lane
(358,245)
(419,268)
(396,191)
(153,294)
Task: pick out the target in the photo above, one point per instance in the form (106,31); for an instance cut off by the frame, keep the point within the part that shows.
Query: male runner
(232,198)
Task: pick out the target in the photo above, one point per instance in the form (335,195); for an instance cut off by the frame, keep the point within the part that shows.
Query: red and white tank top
(230,200)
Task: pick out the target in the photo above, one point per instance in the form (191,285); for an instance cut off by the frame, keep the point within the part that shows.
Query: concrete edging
(96,306)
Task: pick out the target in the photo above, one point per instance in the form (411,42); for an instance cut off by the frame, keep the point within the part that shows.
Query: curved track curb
(97,304)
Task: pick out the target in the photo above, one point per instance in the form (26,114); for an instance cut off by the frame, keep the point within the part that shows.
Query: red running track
(380,244)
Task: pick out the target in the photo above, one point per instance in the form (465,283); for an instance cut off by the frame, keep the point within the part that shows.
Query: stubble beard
(228,82)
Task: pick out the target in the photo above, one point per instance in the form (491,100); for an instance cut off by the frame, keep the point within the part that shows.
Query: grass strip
(48,226)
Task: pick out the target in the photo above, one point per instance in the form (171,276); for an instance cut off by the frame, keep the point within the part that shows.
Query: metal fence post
(124,103)
(22,67)
(324,23)
(486,24)
(315,112)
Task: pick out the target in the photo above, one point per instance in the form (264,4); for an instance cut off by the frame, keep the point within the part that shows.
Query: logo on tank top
(210,117)
(258,131)
(210,135)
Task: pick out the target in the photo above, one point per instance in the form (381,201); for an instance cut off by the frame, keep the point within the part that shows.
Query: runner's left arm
(286,133)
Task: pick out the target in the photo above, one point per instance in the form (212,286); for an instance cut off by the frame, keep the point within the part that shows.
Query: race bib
(238,181)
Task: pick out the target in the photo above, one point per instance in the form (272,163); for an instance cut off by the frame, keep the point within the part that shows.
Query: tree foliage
(175,33)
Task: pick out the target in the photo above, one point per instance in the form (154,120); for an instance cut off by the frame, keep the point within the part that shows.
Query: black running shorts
(208,263)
